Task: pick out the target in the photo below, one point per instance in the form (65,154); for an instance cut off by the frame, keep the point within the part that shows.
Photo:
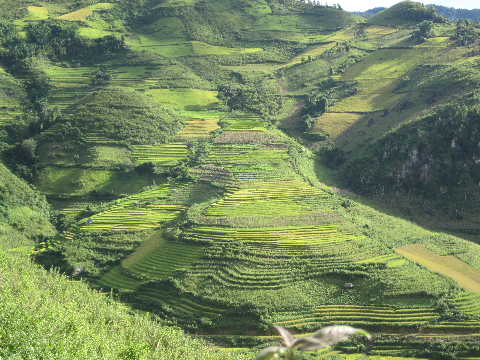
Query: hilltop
(230,165)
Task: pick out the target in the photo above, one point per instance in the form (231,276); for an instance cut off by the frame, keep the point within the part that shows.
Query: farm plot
(178,305)
(247,275)
(161,154)
(243,123)
(247,163)
(200,125)
(299,236)
(391,260)
(268,198)
(70,84)
(201,48)
(129,213)
(335,123)
(364,316)
(467,302)
(109,156)
(466,276)
(150,217)
(82,14)
(166,259)
(311,51)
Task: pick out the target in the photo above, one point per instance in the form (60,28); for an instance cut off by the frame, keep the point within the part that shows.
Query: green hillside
(227,166)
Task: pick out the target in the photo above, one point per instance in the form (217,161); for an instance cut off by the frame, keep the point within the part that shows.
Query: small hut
(348,286)
(138,203)
(89,221)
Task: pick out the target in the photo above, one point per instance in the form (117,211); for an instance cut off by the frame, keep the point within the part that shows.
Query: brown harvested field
(467,276)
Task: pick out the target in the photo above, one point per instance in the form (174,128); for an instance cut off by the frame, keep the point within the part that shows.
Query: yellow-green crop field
(199,127)
(466,276)
(186,99)
(334,123)
(82,14)
(201,48)
(362,315)
(269,199)
(312,51)
(299,236)
(367,103)
(378,30)
(161,154)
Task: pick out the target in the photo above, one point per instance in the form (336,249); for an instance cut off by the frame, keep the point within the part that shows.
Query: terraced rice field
(297,236)
(355,315)
(95,138)
(117,279)
(468,302)
(195,127)
(131,213)
(166,259)
(181,306)
(70,84)
(267,198)
(161,154)
(150,217)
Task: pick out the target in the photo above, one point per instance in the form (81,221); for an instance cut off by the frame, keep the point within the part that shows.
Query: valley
(226,166)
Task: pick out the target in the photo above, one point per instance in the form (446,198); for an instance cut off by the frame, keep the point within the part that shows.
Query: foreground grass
(46,316)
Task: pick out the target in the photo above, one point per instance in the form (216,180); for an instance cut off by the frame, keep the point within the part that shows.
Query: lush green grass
(187,99)
(50,333)
(75,181)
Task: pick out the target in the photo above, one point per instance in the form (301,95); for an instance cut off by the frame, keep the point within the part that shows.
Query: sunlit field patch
(201,48)
(335,123)
(466,276)
(199,127)
(136,211)
(35,13)
(110,155)
(186,99)
(82,14)
(377,30)
(162,154)
(312,51)
(298,236)
(389,63)
(92,33)
(366,103)
(38,10)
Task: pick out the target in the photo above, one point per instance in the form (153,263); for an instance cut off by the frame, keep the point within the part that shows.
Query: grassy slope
(24,215)
(46,315)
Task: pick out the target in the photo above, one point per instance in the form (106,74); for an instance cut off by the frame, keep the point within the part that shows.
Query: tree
(38,88)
